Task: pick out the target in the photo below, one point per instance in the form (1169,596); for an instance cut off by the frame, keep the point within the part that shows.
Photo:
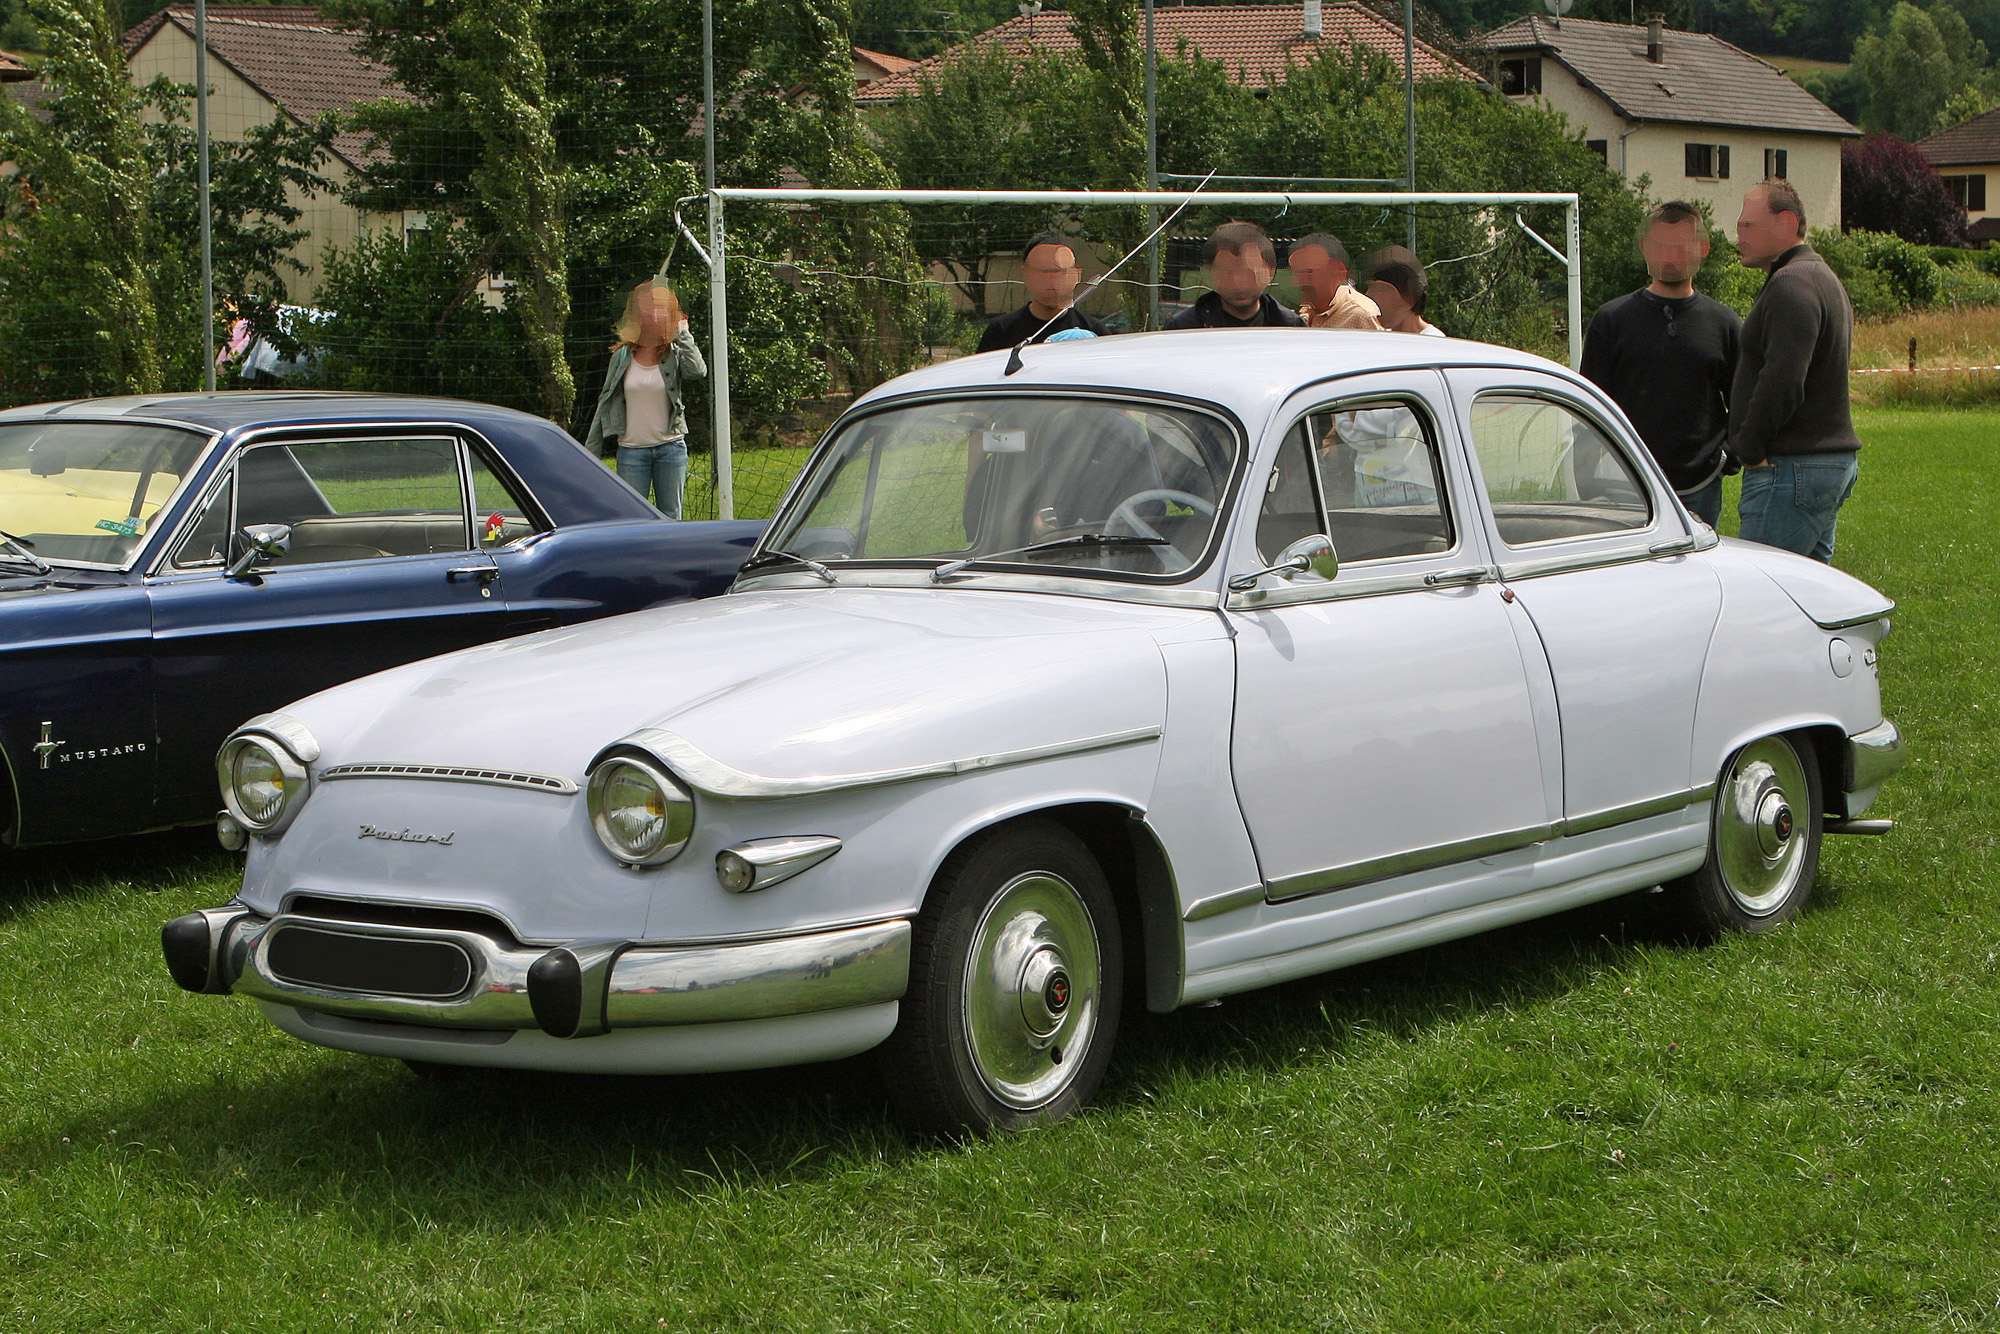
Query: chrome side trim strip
(1569,562)
(1217,904)
(1488,845)
(1849,622)
(718,779)
(1873,755)
(454,774)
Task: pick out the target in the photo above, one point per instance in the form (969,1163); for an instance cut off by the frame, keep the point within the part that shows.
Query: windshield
(89,491)
(967,478)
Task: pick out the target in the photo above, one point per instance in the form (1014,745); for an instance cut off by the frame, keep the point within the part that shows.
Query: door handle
(1680,546)
(1471,574)
(485,574)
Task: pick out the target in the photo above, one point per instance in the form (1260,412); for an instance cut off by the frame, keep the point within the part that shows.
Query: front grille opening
(400,914)
(372,965)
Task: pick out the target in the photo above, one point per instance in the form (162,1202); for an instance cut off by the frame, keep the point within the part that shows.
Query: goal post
(717,261)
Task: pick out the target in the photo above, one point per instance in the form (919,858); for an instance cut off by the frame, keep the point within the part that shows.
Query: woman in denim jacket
(639,406)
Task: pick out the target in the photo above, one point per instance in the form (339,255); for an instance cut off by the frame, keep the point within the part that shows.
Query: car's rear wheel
(1015,978)
(1763,843)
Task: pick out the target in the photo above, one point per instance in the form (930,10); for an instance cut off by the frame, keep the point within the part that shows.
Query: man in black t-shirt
(1667,355)
(1241,263)
(1049,272)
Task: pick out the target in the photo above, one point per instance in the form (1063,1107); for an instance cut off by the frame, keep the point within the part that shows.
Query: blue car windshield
(971,479)
(89,491)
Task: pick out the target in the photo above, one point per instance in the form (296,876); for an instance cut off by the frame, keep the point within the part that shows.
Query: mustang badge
(405,836)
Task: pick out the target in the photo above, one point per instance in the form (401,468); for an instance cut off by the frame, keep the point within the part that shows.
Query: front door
(1384,722)
(383,569)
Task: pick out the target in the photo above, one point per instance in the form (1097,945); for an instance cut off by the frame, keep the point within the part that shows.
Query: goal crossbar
(716,258)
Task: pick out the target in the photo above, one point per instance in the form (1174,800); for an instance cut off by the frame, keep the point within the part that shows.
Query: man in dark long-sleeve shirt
(1667,354)
(1788,412)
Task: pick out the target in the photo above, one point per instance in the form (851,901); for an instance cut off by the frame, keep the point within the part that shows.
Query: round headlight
(262,783)
(640,813)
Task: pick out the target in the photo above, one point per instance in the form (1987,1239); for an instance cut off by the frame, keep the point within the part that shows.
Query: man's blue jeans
(1795,502)
(658,472)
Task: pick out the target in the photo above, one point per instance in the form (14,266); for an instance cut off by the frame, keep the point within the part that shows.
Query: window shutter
(1694,159)
(1722,161)
(1782,155)
(1975,192)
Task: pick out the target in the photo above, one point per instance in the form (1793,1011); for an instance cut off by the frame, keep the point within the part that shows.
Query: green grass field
(1564,1126)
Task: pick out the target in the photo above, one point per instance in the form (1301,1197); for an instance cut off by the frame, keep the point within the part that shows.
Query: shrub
(1966,286)
(1887,185)
(1948,256)
(1870,290)
(1913,275)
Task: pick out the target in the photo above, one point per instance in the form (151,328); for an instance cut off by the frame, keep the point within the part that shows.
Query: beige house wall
(1658,149)
(234,108)
(1989,170)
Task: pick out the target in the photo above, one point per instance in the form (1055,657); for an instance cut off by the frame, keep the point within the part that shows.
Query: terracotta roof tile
(1258,44)
(1966,143)
(1702,81)
(883,61)
(301,61)
(12,70)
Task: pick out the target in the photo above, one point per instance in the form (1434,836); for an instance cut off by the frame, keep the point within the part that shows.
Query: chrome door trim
(1228,901)
(1332,878)
(713,776)
(1369,586)
(1571,561)
(1196,596)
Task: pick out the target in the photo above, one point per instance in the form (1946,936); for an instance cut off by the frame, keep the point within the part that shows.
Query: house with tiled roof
(1968,157)
(12,70)
(1703,119)
(875,66)
(1257,44)
(277,61)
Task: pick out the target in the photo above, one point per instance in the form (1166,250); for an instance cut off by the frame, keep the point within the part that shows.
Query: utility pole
(1153,268)
(1410,113)
(718,285)
(207,223)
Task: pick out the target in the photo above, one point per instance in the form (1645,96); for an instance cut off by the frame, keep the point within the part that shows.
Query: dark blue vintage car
(174,565)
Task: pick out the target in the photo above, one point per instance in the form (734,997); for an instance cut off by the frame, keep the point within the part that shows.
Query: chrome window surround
(1440,469)
(990,581)
(1096,580)
(455,774)
(139,555)
(1324,881)
(708,774)
(462,436)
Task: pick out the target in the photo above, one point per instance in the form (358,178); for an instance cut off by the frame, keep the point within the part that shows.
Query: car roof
(1247,371)
(229,409)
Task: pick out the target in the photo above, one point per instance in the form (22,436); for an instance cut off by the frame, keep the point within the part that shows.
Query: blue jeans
(1795,502)
(1705,503)
(657,472)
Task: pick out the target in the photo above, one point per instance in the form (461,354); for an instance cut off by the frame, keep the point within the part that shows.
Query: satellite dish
(1558,7)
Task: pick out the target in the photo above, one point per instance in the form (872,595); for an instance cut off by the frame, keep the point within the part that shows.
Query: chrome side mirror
(266,541)
(1313,552)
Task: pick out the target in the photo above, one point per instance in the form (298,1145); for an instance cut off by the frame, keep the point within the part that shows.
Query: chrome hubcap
(1031,989)
(1758,844)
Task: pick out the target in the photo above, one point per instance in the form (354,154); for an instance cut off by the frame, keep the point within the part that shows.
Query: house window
(1521,76)
(1775,162)
(1601,147)
(1968,192)
(1708,161)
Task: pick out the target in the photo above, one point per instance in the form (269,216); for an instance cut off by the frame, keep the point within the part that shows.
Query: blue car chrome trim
(454,774)
(718,779)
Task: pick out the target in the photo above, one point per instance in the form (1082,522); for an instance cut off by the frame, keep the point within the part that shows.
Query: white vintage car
(1166,667)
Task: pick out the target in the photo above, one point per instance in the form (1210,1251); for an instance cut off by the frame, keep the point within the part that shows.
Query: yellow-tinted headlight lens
(642,815)
(259,783)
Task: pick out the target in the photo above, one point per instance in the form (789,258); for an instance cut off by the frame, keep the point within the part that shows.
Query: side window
(207,543)
(1551,473)
(1292,508)
(1380,472)
(498,515)
(356,499)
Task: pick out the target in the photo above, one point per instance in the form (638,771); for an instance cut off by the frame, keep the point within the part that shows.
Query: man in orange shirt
(1327,300)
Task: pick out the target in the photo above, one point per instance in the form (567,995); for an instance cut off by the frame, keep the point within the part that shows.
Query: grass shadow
(168,859)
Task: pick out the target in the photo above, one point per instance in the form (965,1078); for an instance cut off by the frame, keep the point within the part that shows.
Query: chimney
(1656,50)
(1314,26)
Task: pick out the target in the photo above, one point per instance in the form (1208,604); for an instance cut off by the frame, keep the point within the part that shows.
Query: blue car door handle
(485,574)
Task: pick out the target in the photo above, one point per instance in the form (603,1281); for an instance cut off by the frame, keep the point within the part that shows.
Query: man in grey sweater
(1789,422)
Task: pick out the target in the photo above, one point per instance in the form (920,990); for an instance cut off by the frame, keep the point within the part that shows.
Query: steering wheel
(1127,513)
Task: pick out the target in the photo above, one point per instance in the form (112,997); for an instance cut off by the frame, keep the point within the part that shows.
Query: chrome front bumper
(1870,758)
(576,990)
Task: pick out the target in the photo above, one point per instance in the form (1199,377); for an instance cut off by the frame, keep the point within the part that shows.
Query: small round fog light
(736,874)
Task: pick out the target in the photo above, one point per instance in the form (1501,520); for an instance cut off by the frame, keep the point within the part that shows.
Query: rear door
(384,568)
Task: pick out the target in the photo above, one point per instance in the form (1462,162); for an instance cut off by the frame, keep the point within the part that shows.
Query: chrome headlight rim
(290,768)
(677,828)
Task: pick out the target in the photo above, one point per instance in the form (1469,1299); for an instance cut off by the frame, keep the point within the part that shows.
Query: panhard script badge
(406,836)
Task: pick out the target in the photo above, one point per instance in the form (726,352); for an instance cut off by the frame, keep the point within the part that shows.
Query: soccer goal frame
(714,255)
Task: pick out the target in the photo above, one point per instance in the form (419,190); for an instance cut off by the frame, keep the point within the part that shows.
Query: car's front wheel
(1015,978)
(1763,843)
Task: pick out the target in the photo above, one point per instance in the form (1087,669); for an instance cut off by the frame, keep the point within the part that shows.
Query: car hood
(783,684)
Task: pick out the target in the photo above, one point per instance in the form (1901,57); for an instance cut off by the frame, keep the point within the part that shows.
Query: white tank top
(647,420)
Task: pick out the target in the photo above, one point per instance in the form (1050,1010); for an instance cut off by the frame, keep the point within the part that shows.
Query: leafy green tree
(76,303)
(919,28)
(1916,65)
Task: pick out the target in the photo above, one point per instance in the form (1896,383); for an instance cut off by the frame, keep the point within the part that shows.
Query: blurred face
(1761,235)
(1389,301)
(658,313)
(1050,274)
(1317,274)
(1674,250)
(1240,279)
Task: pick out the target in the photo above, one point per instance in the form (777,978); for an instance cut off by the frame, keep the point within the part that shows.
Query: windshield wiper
(949,568)
(26,548)
(771,557)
